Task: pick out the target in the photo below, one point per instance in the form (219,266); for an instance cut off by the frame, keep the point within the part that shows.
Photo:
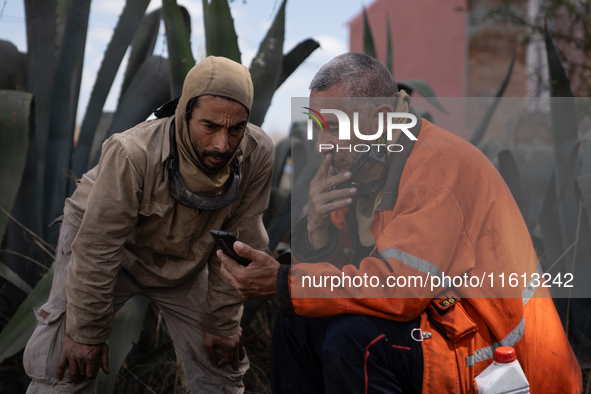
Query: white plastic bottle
(504,375)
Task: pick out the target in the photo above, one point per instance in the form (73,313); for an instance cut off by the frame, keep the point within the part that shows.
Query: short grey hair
(360,74)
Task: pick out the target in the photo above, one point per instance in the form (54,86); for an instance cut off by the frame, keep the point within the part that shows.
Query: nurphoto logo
(345,129)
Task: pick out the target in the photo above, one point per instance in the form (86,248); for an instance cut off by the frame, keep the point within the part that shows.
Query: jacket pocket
(450,317)
(49,313)
(162,231)
(44,348)
(153,207)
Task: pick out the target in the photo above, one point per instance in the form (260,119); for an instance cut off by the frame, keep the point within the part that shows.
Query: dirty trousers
(183,319)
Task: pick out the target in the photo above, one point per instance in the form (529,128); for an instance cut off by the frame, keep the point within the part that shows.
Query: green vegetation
(37,146)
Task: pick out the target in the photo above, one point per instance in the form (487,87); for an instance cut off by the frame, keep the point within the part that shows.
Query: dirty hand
(322,201)
(83,360)
(258,280)
(232,346)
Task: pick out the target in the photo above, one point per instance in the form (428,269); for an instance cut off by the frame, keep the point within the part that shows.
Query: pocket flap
(49,313)
(451,317)
(153,207)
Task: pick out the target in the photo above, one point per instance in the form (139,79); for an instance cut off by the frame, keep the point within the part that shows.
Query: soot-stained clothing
(128,221)
(445,210)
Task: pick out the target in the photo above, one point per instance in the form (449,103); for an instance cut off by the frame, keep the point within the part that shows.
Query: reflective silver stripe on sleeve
(514,336)
(488,352)
(530,289)
(412,261)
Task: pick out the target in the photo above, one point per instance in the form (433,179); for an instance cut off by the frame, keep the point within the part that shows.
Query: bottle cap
(505,355)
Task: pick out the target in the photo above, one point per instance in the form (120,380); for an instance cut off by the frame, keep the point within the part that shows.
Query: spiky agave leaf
(423,88)
(64,103)
(10,276)
(40,18)
(148,90)
(129,21)
(535,177)
(220,34)
(16,333)
(389,47)
(368,42)
(294,58)
(481,129)
(16,124)
(179,46)
(266,67)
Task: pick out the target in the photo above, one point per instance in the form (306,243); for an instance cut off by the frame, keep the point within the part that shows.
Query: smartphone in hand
(225,241)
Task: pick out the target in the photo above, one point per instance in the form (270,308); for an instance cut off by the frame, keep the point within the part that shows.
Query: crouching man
(138,224)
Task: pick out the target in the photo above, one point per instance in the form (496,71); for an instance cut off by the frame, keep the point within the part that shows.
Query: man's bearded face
(216,128)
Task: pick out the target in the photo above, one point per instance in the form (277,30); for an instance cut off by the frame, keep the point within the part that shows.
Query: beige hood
(216,76)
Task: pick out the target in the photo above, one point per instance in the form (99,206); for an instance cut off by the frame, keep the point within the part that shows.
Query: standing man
(436,208)
(138,224)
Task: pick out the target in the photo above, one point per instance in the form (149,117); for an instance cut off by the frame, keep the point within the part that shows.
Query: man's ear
(374,116)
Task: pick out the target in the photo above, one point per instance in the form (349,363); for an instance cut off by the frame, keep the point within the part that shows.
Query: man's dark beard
(216,155)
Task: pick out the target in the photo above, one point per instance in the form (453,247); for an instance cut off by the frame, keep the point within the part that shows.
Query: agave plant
(38,129)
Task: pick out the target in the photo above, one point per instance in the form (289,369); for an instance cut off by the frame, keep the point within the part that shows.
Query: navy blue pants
(345,354)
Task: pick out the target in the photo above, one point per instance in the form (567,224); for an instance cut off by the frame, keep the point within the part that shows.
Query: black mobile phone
(225,241)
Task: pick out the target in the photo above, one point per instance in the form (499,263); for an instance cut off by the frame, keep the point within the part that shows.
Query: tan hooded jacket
(128,220)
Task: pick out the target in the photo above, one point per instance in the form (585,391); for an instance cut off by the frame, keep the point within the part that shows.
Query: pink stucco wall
(429,40)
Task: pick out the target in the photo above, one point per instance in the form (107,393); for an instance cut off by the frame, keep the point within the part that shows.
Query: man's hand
(322,201)
(232,346)
(258,280)
(83,360)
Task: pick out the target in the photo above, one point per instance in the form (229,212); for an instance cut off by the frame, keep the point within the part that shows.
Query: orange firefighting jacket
(446,211)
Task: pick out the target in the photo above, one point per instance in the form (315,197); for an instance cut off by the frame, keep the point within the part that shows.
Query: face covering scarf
(195,185)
